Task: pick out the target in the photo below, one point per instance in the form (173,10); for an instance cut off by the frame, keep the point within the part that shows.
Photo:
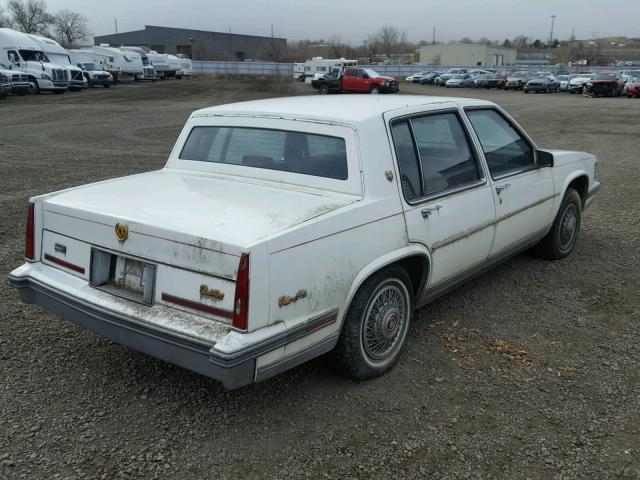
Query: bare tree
(30,16)
(70,27)
(4,21)
(388,40)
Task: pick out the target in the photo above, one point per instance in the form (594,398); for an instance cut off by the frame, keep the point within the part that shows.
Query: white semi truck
(21,52)
(58,55)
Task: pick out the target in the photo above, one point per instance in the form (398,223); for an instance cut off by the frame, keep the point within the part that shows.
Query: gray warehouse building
(467,54)
(199,44)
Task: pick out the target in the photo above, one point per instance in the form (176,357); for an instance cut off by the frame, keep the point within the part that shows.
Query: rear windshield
(287,151)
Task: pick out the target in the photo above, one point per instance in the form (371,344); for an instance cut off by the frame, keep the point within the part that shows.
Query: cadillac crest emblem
(122,232)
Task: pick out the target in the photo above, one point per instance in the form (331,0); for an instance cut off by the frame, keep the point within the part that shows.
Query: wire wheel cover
(385,320)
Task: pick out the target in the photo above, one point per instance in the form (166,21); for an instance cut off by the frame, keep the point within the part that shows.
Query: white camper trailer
(148,70)
(319,66)
(21,52)
(121,63)
(166,65)
(58,55)
(185,65)
(88,61)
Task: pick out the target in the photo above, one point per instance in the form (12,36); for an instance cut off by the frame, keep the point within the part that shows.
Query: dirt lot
(531,371)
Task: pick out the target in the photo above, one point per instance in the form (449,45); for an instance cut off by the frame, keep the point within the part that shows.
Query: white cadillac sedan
(282,229)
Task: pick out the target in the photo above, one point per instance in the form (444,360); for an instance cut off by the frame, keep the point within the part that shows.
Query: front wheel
(375,90)
(324,89)
(34,88)
(376,325)
(559,242)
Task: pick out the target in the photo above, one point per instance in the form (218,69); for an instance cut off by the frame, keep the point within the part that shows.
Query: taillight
(241,299)
(29,237)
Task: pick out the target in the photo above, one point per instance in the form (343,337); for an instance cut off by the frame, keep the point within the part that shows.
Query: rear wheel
(324,89)
(375,90)
(376,325)
(559,242)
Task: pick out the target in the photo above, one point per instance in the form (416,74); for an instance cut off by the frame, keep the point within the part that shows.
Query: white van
(19,51)
(58,55)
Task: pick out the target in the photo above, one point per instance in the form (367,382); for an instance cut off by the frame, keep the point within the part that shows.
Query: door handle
(429,210)
(501,188)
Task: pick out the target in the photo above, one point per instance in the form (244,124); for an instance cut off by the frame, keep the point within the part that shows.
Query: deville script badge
(122,232)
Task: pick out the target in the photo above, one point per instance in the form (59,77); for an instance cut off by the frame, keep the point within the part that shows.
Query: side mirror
(365,75)
(544,159)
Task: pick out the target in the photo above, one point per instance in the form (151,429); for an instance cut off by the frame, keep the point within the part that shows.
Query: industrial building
(200,44)
(467,54)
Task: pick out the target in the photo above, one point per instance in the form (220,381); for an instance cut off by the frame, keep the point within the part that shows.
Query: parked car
(608,84)
(564,82)
(496,80)
(544,84)
(430,78)
(576,84)
(320,224)
(356,79)
(482,80)
(628,76)
(13,81)
(517,80)
(633,88)
(442,79)
(416,77)
(459,81)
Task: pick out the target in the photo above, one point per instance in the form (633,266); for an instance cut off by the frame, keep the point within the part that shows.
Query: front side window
(437,158)
(506,151)
(287,151)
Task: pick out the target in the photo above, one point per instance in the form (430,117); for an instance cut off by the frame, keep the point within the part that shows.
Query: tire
(58,92)
(324,89)
(106,85)
(386,301)
(525,90)
(560,240)
(375,90)
(34,88)
(92,85)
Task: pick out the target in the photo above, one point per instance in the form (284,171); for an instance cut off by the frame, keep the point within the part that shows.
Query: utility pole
(272,30)
(553,22)
(116,23)
(433,41)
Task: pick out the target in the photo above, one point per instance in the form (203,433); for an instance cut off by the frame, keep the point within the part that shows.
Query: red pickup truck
(355,79)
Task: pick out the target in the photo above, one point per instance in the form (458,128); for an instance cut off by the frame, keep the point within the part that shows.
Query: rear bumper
(235,368)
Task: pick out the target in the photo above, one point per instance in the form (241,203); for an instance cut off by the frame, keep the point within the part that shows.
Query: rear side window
(287,151)
(434,155)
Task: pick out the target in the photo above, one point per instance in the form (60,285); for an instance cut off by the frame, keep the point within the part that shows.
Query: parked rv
(120,63)
(25,54)
(318,67)
(185,65)
(58,55)
(13,81)
(148,70)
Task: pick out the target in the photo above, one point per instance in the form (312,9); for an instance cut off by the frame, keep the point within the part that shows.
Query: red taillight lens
(29,238)
(241,300)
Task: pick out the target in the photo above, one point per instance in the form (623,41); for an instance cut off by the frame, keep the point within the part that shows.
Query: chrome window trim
(478,155)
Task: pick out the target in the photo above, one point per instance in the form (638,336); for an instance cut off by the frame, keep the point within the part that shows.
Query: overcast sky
(354,20)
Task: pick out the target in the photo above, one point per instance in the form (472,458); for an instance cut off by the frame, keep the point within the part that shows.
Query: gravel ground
(530,371)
